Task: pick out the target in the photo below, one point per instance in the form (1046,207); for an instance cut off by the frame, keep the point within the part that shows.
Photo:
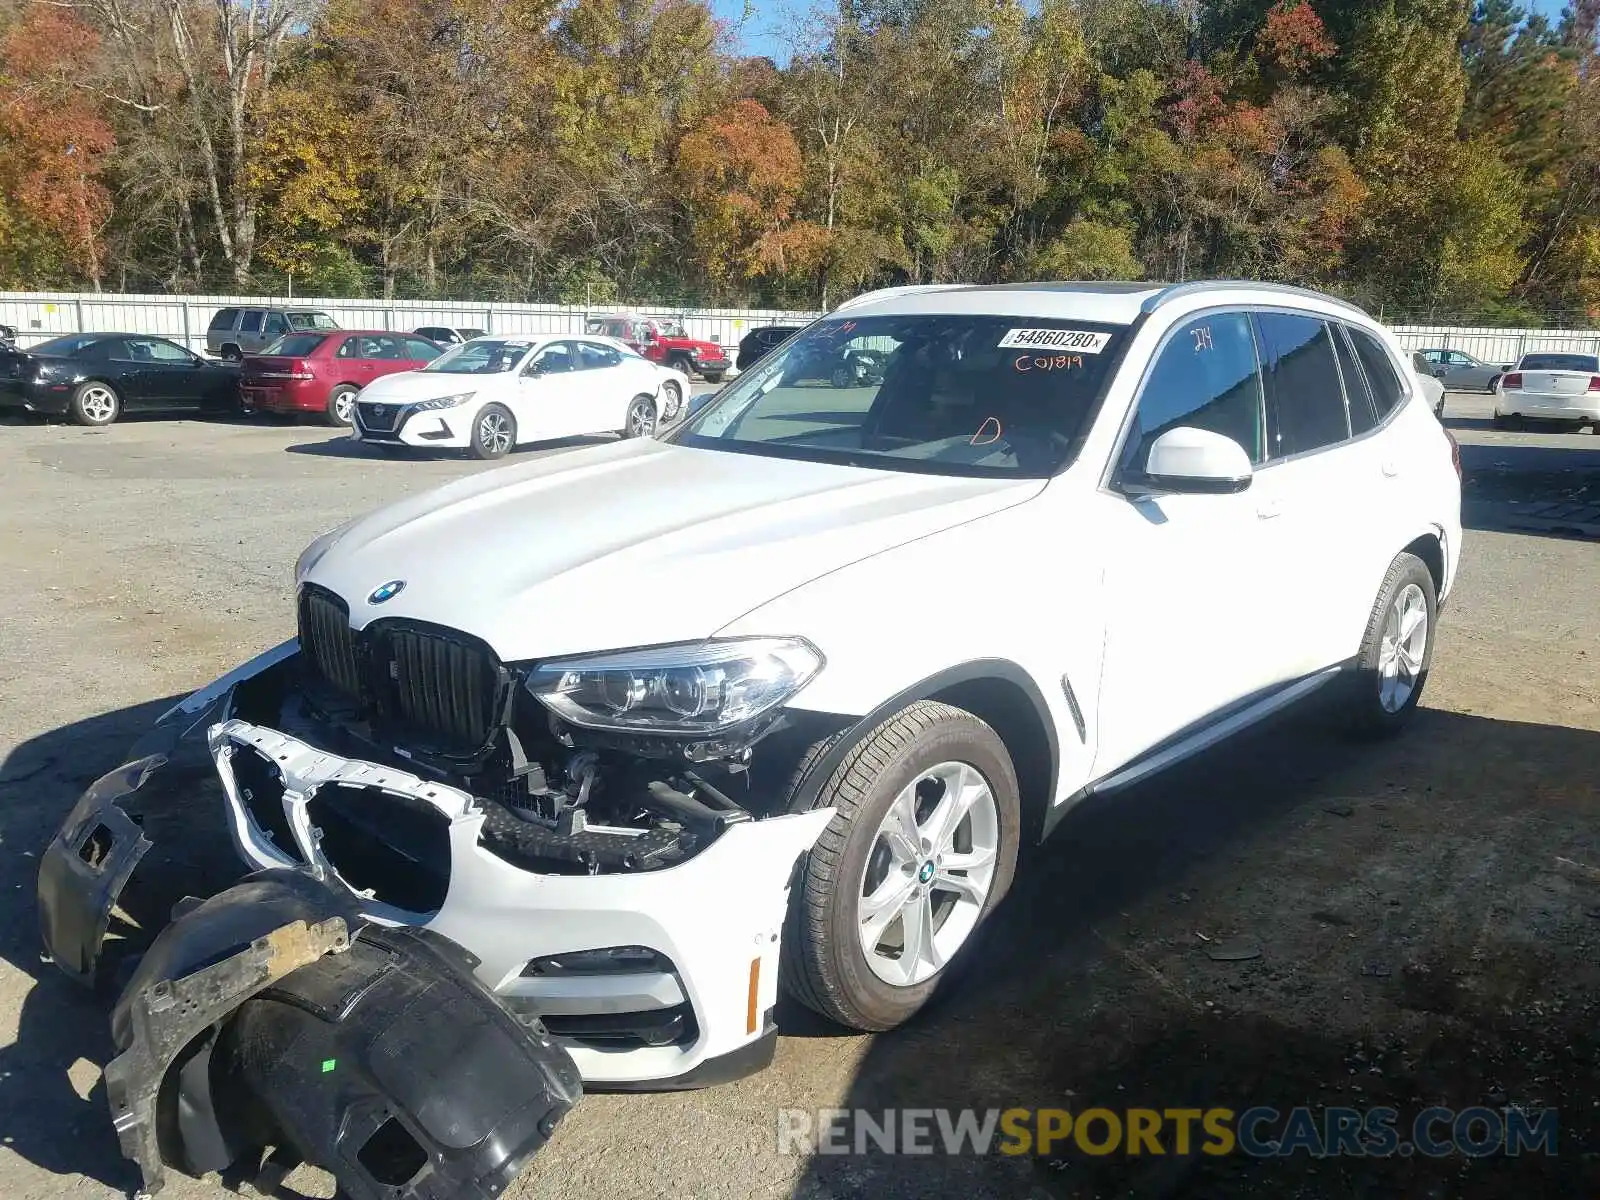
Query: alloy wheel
(344,407)
(494,431)
(641,418)
(928,874)
(98,404)
(1402,650)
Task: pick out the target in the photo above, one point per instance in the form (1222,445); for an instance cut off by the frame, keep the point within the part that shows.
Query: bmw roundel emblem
(387,591)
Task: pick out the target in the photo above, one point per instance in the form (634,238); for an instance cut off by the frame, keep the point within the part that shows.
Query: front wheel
(494,432)
(672,391)
(95,403)
(641,419)
(1396,650)
(921,848)
(712,377)
(341,408)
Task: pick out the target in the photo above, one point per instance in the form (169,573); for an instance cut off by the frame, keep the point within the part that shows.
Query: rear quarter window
(1382,378)
(1305,402)
(225,318)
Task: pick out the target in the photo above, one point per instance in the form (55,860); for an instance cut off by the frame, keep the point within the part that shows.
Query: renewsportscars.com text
(1259,1132)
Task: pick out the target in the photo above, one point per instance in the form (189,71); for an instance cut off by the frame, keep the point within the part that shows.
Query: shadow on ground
(342,445)
(1414,945)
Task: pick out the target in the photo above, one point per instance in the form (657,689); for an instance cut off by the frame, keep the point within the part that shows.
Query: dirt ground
(1420,939)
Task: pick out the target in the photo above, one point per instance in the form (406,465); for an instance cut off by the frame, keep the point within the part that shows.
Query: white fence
(37,316)
(40,315)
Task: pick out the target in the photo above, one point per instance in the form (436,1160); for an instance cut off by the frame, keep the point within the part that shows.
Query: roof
(1112,303)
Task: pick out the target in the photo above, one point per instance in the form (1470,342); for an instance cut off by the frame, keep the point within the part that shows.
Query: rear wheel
(95,403)
(341,408)
(922,847)
(1507,421)
(1396,650)
(712,376)
(672,390)
(494,432)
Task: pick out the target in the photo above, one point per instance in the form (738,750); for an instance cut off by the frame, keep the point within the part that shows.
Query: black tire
(95,403)
(1438,409)
(1366,713)
(641,418)
(824,966)
(485,445)
(1506,421)
(232,353)
(675,394)
(683,364)
(342,398)
(842,377)
(713,376)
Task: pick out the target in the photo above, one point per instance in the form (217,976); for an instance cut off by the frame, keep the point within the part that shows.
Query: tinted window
(378,346)
(252,321)
(297,345)
(1363,415)
(948,394)
(1560,362)
(469,334)
(1305,404)
(592,357)
(276,326)
(1382,378)
(432,331)
(416,348)
(225,318)
(154,350)
(1205,377)
(73,343)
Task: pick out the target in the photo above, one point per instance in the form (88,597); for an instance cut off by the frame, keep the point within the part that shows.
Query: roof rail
(904,290)
(1179,290)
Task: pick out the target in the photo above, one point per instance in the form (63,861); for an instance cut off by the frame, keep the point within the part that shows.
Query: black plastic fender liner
(392,1067)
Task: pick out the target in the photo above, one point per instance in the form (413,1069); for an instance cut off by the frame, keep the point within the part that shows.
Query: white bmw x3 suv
(652,726)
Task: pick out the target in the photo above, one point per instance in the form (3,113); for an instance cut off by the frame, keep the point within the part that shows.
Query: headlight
(444,402)
(695,689)
(314,552)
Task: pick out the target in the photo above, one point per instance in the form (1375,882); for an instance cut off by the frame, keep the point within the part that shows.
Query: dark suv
(758,342)
(235,332)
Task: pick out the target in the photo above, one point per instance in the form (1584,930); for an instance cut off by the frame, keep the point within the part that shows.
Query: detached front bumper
(713,923)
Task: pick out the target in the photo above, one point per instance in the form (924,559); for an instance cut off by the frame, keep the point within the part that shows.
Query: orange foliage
(1294,38)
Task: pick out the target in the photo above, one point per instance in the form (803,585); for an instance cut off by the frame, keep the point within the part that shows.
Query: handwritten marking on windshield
(1056,362)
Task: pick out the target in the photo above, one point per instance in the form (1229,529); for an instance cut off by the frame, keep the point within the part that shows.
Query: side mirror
(1196,462)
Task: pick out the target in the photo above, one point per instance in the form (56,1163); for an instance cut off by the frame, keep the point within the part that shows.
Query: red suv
(666,342)
(322,372)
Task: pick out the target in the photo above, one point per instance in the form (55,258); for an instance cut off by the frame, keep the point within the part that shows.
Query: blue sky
(759,22)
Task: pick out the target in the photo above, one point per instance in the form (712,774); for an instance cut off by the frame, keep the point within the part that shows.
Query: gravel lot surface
(1419,942)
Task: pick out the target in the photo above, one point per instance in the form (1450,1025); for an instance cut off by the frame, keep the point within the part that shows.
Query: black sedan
(93,378)
(756,344)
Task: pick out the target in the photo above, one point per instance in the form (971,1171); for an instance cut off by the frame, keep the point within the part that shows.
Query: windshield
(484,356)
(311,320)
(952,395)
(670,329)
(296,345)
(70,344)
(1583,363)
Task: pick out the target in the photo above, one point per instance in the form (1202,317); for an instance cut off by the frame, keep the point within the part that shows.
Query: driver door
(1193,600)
(546,395)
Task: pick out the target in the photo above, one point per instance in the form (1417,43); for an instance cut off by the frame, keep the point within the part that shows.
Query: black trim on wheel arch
(828,762)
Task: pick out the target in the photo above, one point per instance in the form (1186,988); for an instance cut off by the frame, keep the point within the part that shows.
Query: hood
(634,543)
(404,387)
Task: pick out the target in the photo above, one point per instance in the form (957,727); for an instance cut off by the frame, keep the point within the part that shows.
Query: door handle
(1268,507)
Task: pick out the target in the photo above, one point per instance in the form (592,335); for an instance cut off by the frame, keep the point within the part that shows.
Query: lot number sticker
(1080,341)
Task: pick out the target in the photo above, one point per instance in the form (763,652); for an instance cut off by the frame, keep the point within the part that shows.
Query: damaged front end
(458,908)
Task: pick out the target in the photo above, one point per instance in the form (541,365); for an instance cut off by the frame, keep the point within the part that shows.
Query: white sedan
(491,394)
(1550,386)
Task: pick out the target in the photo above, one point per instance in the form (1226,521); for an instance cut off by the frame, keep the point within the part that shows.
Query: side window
(166,352)
(225,318)
(594,357)
(1457,359)
(1363,416)
(349,348)
(1381,377)
(1305,404)
(252,321)
(1205,377)
(555,359)
(276,325)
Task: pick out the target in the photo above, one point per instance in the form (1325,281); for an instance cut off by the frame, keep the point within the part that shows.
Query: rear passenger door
(1313,491)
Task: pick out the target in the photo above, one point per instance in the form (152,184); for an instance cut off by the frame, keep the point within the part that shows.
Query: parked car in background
(93,378)
(321,373)
(1461,372)
(759,342)
(491,394)
(1432,387)
(8,336)
(1550,387)
(675,386)
(666,342)
(235,332)
(448,335)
